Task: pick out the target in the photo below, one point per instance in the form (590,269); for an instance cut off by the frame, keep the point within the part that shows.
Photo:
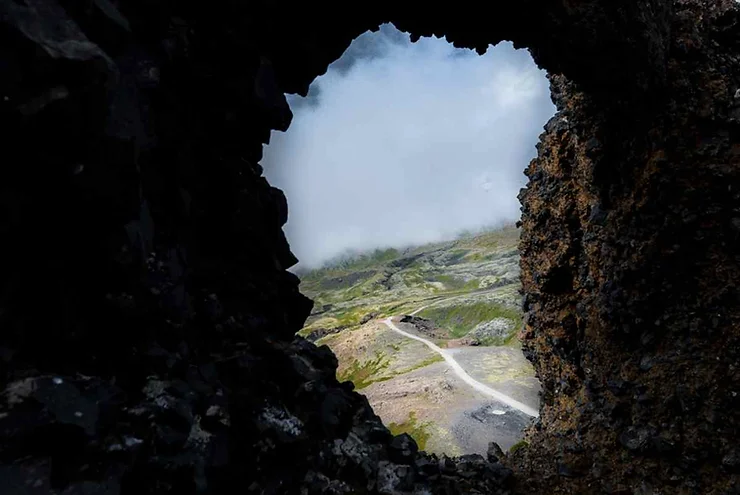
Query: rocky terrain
(467,292)
(410,386)
(148,318)
(481,268)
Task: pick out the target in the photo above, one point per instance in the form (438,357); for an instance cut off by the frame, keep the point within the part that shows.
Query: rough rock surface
(147,318)
(424,326)
(630,273)
(498,328)
(319,333)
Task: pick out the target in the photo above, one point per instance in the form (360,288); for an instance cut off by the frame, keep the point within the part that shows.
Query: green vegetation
(519,445)
(460,320)
(352,264)
(364,374)
(350,317)
(460,283)
(480,257)
(431,360)
(305,331)
(418,431)
(456,284)
(413,277)
(389,282)
(457,255)
(489,241)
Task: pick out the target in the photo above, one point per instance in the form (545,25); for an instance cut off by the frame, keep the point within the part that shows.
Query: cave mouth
(410,202)
(146,309)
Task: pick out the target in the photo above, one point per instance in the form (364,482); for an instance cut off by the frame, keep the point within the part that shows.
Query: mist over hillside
(350,257)
(404,143)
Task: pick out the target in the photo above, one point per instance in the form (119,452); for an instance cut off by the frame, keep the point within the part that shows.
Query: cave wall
(629,250)
(147,320)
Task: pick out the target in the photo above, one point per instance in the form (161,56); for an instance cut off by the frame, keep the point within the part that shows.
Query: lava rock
(635,437)
(731,460)
(403,448)
(494,454)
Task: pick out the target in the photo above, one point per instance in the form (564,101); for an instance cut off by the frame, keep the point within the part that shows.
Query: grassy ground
(374,370)
(462,283)
(390,282)
(417,430)
(461,319)
(366,373)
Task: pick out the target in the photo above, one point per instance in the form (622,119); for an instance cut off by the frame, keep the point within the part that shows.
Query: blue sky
(404,143)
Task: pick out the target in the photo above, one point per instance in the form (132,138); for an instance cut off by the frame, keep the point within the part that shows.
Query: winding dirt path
(460,372)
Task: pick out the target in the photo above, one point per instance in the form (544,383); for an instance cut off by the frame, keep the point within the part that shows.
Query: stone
(494,454)
(131,191)
(598,216)
(634,437)
(731,460)
(403,449)
(367,318)
(497,330)
(567,471)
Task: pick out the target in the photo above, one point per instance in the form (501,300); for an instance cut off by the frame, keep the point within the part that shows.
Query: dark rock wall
(630,269)
(147,320)
(146,316)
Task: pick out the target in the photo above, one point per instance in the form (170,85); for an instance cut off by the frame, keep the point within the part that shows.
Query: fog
(404,143)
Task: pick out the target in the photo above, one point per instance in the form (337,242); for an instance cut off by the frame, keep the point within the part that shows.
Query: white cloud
(412,144)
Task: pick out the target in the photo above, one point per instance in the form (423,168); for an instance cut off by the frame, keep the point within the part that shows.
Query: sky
(404,143)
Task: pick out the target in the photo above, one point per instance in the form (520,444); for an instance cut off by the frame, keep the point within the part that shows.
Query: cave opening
(401,169)
(148,315)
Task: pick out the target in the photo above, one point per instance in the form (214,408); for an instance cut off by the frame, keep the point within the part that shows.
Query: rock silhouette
(147,319)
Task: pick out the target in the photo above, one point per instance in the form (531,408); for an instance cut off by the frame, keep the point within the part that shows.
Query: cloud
(403,143)
(367,46)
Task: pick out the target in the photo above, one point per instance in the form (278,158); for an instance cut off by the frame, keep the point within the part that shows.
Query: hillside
(460,295)
(390,282)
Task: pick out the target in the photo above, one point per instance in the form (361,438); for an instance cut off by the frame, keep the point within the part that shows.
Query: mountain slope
(390,282)
(462,295)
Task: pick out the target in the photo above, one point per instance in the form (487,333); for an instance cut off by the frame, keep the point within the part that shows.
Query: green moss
(456,256)
(431,360)
(350,287)
(391,310)
(519,445)
(327,340)
(418,431)
(450,282)
(499,238)
(413,277)
(364,374)
(399,308)
(460,320)
(350,317)
(352,263)
(511,341)
(371,286)
(305,331)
